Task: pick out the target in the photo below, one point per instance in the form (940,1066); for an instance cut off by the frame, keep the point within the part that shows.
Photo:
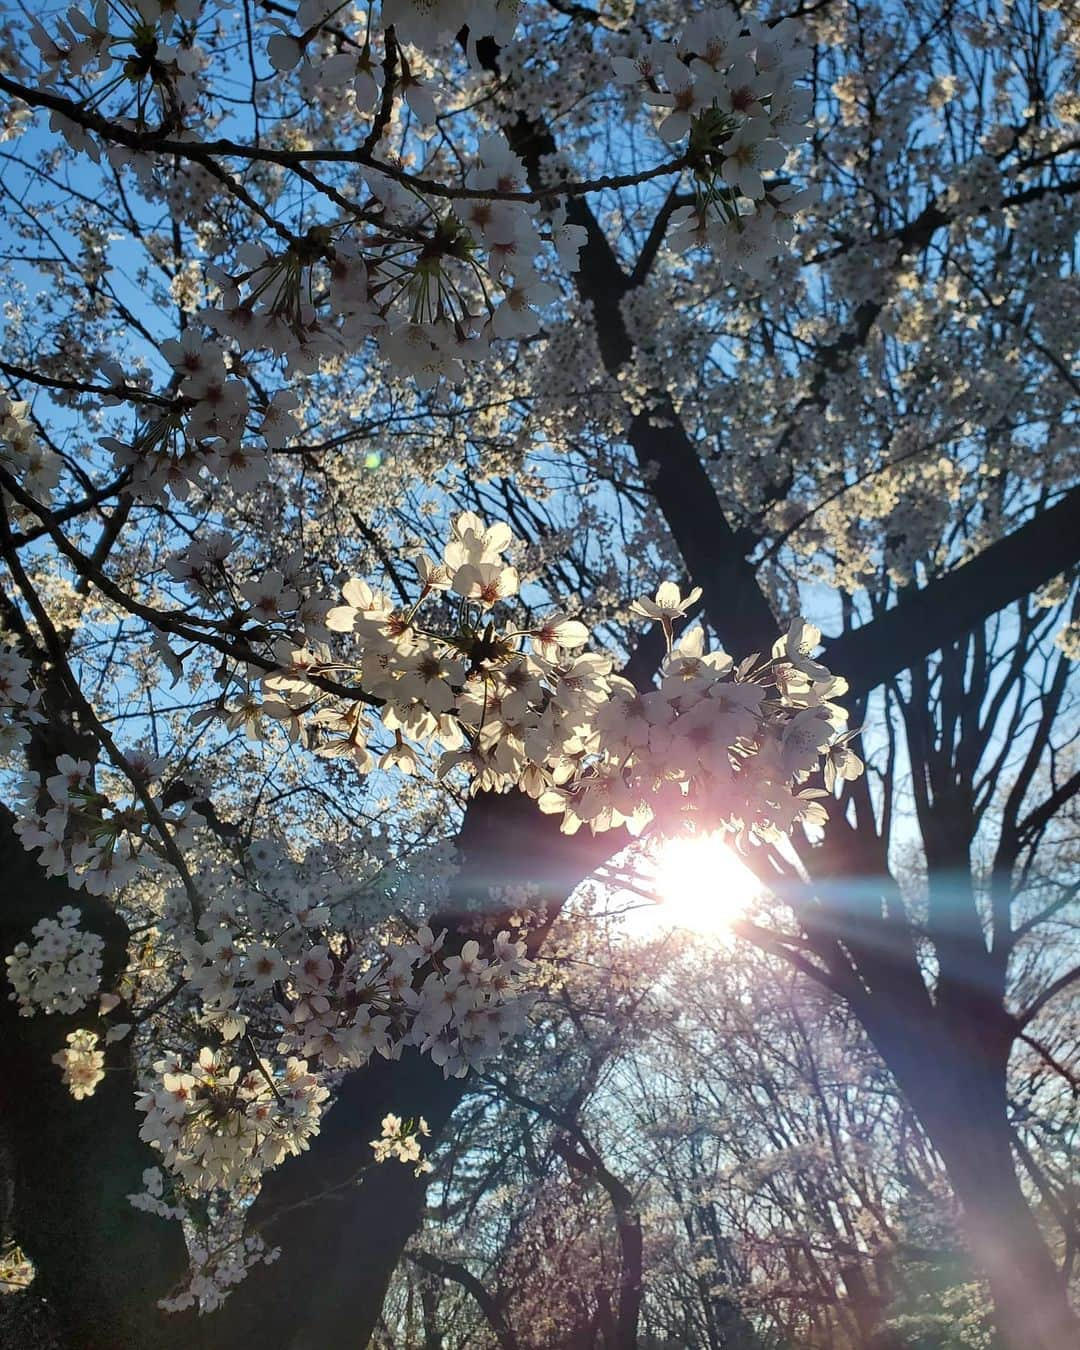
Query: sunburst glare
(701,883)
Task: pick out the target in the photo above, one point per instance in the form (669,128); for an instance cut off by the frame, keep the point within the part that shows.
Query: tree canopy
(452,453)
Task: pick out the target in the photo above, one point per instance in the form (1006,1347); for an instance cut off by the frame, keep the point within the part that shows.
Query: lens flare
(702,884)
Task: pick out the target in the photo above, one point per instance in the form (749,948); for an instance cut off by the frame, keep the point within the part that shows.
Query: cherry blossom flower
(690,89)
(83,1064)
(747,153)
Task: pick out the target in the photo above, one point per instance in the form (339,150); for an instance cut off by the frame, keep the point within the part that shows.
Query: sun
(701,884)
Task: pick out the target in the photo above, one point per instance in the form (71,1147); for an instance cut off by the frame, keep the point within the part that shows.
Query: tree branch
(923,621)
(488,1304)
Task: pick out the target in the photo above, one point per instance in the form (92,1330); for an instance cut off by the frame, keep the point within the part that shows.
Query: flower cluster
(337,1007)
(728,88)
(61,972)
(216,1268)
(452,283)
(435,278)
(220,1256)
(523,706)
(200,431)
(16,1269)
(23,453)
(401,1139)
(86,45)
(94,841)
(152,1199)
(299,982)
(420,24)
(82,1062)
(454,280)
(18,700)
(293,1012)
(217,1125)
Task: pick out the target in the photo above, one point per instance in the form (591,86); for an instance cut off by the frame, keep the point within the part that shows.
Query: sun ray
(701,884)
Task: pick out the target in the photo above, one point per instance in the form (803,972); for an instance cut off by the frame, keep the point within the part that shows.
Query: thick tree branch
(924,620)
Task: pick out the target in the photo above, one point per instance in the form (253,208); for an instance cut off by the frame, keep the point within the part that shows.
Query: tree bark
(100,1264)
(341,1220)
(953,1071)
(1033,1311)
(341,1239)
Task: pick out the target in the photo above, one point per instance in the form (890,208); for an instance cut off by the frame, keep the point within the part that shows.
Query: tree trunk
(1030,1299)
(340,1242)
(953,1071)
(100,1265)
(341,1232)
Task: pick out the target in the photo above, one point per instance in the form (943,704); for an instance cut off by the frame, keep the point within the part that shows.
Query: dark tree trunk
(100,1264)
(341,1231)
(1029,1294)
(341,1241)
(953,1071)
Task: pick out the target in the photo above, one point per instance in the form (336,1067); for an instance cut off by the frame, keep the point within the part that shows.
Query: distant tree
(779,1188)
